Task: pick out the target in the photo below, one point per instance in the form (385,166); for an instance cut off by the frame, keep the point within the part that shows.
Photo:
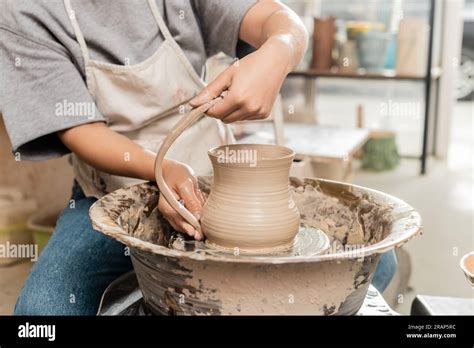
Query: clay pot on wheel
(249,207)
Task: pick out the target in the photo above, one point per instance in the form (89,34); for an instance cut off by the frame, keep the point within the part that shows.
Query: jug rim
(288,155)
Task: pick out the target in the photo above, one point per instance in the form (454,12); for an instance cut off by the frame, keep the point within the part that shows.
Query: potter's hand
(254,81)
(180,178)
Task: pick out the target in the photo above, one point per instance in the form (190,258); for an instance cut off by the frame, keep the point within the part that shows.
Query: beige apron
(143,102)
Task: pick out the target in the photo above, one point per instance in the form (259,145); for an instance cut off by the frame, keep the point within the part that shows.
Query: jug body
(250,207)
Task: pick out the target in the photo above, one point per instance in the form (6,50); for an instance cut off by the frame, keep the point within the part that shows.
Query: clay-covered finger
(200,196)
(177,222)
(224,107)
(180,225)
(190,230)
(213,89)
(197,191)
(237,115)
(186,191)
(172,216)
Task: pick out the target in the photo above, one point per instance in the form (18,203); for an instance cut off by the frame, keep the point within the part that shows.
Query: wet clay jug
(249,208)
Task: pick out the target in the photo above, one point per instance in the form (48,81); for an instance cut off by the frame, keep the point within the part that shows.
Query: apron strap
(159,20)
(82,42)
(167,35)
(77,31)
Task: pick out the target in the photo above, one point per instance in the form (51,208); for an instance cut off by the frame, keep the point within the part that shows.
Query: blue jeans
(74,268)
(78,263)
(385,270)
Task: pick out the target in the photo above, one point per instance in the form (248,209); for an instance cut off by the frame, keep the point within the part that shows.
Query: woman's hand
(180,178)
(253,84)
(106,153)
(254,81)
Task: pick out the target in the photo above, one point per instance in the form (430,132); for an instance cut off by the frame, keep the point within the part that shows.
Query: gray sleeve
(220,23)
(41,92)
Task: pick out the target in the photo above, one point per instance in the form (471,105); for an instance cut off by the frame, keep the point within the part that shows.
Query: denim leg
(385,270)
(75,267)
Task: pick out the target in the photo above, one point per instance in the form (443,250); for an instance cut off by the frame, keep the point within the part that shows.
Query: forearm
(272,25)
(109,151)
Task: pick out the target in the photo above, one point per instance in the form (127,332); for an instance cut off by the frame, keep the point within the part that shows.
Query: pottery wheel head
(309,241)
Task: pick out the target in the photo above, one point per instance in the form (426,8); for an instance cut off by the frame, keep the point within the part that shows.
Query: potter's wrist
(281,52)
(145,167)
(166,166)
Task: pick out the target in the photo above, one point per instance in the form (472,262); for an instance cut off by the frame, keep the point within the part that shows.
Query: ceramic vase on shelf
(323,42)
(372,49)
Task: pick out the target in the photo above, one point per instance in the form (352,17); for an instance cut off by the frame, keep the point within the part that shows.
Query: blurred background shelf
(364,74)
(361,42)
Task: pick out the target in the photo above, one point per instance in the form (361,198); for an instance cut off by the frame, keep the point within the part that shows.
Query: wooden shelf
(362,74)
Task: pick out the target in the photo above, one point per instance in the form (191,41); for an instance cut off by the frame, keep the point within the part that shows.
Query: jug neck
(274,174)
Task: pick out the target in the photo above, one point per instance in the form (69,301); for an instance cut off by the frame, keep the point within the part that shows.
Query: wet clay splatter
(348,216)
(178,280)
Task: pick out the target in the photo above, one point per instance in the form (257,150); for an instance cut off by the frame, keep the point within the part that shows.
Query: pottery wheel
(309,241)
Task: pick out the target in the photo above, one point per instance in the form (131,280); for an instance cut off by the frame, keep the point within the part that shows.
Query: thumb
(214,88)
(191,201)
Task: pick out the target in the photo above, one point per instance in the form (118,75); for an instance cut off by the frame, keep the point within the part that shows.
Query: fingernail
(190,231)
(197,216)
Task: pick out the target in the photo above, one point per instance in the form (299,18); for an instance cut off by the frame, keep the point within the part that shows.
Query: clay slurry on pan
(213,282)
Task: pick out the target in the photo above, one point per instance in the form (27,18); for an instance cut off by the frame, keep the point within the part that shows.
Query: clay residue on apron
(147,108)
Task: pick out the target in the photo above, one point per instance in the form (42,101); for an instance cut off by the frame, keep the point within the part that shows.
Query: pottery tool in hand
(249,208)
(183,123)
